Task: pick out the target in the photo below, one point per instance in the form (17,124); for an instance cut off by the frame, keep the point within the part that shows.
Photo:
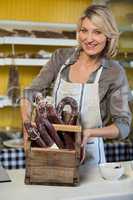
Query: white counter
(92,187)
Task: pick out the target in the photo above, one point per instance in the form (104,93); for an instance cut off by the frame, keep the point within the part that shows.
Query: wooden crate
(53,166)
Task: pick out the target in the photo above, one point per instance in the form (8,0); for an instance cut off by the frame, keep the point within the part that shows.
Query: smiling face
(91,39)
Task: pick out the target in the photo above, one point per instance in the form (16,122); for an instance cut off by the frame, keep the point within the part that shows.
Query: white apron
(87,97)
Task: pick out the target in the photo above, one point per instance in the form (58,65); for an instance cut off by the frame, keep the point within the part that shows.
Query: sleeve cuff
(29,94)
(123,129)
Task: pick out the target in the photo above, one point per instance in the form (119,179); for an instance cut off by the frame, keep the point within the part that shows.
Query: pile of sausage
(42,133)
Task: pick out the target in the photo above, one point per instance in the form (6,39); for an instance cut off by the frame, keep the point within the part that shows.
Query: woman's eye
(83,30)
(98,32)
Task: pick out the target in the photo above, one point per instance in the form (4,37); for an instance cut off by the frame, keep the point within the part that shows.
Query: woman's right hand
(26,108)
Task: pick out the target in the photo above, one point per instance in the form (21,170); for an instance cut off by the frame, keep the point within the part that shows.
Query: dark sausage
(68,118)
(34,134)
(52,115)
(43,132)
(63,140)
(41,112)
(74,108)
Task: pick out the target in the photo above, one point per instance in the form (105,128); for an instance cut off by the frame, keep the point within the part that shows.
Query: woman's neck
(89,61)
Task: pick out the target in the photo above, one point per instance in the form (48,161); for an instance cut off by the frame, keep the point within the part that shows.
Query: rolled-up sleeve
(119,107)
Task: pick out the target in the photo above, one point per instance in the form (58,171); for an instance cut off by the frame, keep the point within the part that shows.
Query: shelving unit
(13,40)
(27,63)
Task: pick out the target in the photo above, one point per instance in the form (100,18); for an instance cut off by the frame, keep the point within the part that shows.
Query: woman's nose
(89,36)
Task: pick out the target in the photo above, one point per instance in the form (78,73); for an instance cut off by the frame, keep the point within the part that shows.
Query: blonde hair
(102,18)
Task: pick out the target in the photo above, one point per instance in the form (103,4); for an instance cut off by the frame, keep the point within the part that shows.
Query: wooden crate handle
(67,128)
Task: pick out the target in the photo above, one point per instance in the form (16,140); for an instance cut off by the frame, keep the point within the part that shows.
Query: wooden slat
(52,158)
(76,176)
(68,128)
(52,174)
(40,149)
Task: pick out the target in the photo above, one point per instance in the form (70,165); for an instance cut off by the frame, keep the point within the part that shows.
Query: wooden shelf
(23,61)
(37,41)
(5,101)
(30,25)
(9,24)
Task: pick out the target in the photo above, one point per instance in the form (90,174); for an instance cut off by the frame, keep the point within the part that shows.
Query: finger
(83,153)
(84,141)
(33,124)
(41,103)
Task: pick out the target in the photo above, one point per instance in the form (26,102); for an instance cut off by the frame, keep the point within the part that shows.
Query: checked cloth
(117,151)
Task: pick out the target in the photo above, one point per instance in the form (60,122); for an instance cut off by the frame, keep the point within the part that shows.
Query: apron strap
(67,61)
(58,79)
(62,67)
(98,75)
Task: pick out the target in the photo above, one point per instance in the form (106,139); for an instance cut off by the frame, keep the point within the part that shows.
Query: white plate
(111,171)
(15,143)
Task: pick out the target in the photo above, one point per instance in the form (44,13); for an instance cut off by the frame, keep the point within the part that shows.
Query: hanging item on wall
(13,89)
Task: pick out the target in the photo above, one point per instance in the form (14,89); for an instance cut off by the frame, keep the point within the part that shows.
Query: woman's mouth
(90,46)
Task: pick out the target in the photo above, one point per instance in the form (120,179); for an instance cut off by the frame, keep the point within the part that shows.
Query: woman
(88,74)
